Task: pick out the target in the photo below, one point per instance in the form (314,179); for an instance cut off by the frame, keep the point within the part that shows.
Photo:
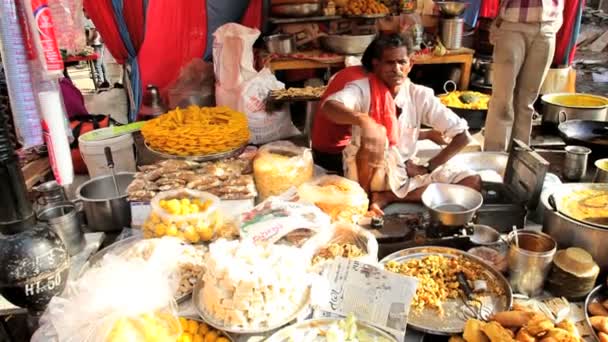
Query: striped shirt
(532,11)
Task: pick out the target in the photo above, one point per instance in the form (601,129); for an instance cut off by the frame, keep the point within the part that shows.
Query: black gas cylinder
(34,267)
(34,263)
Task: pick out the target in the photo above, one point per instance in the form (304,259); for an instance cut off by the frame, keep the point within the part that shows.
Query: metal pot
(451,204)
(296,10)
(105,211)
(568,232)
(601,173)
(63,218)
(347,44)
(558,107)
(282,44)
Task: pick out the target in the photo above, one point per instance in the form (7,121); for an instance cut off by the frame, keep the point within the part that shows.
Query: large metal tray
(209,319)
(557,198)
(200,158)
(597,293)
(453,320)
(284,334)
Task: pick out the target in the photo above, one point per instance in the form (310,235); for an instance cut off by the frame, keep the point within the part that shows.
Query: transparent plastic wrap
(281,221)
(340,198)
(349,241)
(119,300)
(280,165)
(190,215)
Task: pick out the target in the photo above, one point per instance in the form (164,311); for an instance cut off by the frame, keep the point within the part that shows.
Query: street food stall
(229,231)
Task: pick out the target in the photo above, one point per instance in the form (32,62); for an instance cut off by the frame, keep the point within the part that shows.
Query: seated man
(384,111)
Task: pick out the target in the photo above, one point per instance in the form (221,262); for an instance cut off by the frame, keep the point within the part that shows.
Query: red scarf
(330,137)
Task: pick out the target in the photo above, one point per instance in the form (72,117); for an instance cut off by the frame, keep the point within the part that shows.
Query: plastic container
(95,159)
(191,226)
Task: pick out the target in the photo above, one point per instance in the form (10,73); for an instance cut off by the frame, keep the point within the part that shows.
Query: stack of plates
(573,274)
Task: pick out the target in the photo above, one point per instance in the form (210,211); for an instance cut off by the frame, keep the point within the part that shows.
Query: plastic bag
(278,220)
(264,126)
(120,300)
(340,198)
(233,55)
(190,215)
(349,241)
(281,165)
(195,83)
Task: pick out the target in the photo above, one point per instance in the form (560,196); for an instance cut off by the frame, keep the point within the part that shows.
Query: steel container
(575,163)
(63,218)
(569,232)
(530,260)
(347,44)
(451,204)
(601,172)
(283,44)
(296,10)
(555,112)
(104,209)
(451,32)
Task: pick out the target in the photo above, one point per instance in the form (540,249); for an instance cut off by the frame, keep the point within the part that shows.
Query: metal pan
(200,158)
(287,333)
(596,294)
(453,321)
(589,133)
(561,194)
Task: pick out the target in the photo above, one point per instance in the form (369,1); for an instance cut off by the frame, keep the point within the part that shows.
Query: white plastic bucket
(94,157)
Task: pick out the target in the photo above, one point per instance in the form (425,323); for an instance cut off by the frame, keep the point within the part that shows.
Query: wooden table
(75,59)
(463,57)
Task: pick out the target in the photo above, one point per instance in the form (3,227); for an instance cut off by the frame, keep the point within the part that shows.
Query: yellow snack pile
(197,131)
(185,218)
(194,331)
(452,100)
(365,7)
(149,327)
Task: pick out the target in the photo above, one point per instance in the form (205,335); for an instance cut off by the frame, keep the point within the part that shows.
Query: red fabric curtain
(102,15)
(135,19)
(176,33)
(253,15)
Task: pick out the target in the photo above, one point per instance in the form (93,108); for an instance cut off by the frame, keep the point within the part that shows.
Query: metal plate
(284,334)
(209,319)
(200,158)
(198,319)
(564,190)
(452,322)
(595,294)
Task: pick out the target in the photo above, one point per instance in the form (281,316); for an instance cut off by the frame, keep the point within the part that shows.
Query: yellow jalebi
(452,99)
(197,131)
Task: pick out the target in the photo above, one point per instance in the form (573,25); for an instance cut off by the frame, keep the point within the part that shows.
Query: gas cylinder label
(43,285)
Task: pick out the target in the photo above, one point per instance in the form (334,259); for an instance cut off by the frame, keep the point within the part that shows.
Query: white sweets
(250,286)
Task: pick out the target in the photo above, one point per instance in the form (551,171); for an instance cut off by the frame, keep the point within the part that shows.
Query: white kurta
(419,106)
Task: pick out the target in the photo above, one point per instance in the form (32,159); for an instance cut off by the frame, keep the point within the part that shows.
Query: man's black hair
(379,44)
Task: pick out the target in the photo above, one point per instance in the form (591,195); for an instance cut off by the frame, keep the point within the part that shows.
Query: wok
(589,133)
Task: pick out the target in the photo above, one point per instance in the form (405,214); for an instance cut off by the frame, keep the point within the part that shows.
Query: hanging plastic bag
(194,85)
(233,55)
(265,126)
(120,300)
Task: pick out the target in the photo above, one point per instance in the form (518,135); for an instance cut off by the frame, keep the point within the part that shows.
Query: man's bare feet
(379,200)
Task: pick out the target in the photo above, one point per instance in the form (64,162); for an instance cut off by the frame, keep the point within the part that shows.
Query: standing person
(94,40)
(523,35)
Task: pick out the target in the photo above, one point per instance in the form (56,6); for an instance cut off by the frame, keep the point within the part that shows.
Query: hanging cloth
(565,40)
(102,15)
(176,33)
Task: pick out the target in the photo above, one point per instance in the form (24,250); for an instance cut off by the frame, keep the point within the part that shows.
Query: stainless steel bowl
(451,204)
(601,174)
(451,8)
(485,235)
(283,44)
(347,44)
(296,10)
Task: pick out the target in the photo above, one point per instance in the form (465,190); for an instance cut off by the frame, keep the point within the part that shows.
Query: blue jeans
(100,67)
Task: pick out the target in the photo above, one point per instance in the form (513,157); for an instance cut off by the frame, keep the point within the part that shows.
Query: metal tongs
(474,307)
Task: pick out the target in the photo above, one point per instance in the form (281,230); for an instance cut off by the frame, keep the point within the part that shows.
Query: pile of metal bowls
(347,44)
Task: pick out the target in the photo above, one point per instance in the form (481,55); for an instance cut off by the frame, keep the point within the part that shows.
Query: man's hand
(414,169)
(373,141)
